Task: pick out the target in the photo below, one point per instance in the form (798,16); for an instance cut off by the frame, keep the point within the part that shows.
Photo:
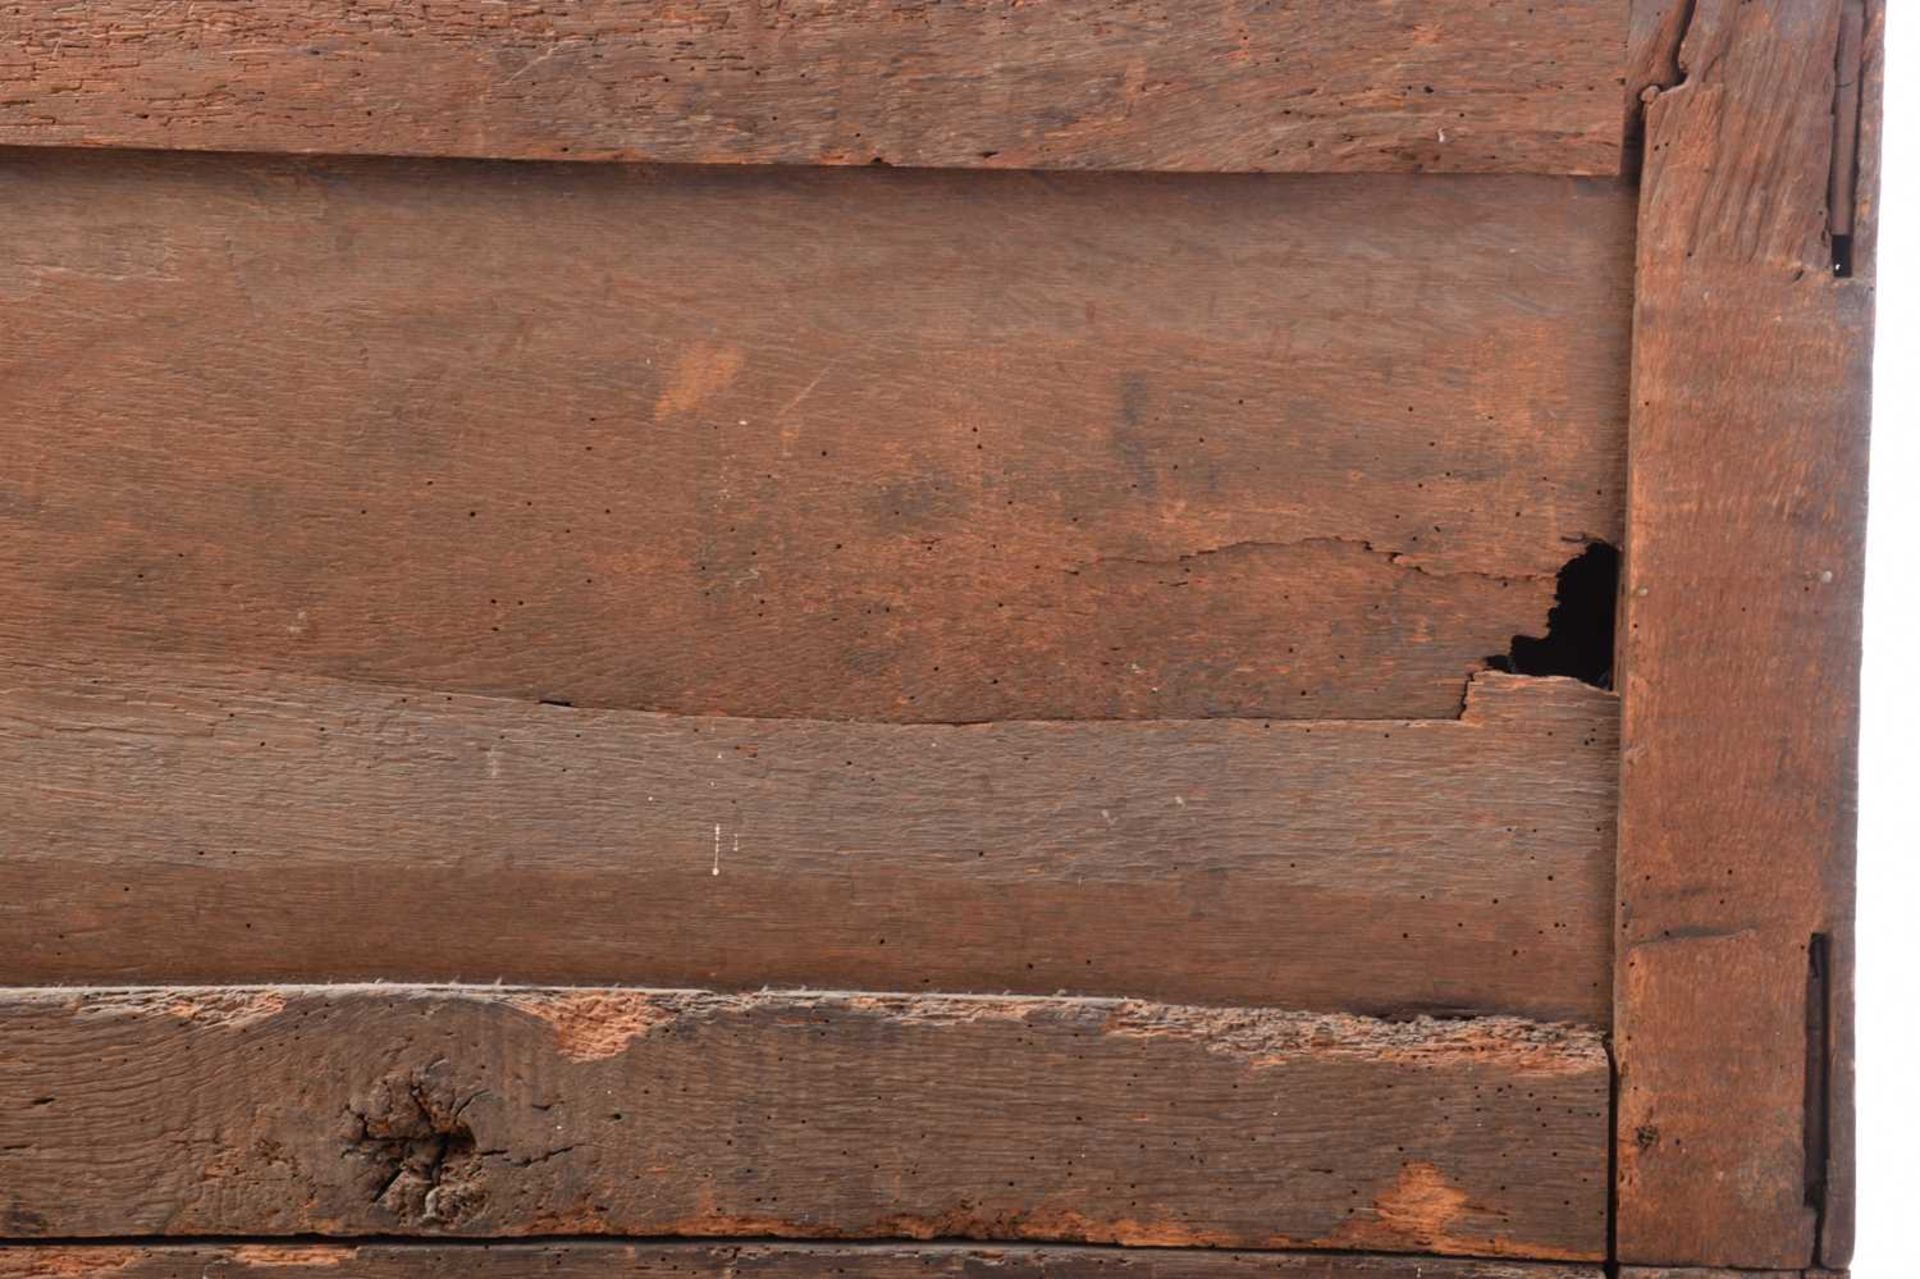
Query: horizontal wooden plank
(169,824)
(578,1260)
(507,1111)
(1212,85)
(855,444)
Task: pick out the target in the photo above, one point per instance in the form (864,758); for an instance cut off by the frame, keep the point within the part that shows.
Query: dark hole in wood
(1843,256)
(1579,638)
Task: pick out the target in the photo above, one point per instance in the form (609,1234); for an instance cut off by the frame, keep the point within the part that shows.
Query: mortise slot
(1579,638)
(1843,256)
(1819,1014)
(1844,173)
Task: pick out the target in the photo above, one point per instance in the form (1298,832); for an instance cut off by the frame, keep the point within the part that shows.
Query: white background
(1889,975)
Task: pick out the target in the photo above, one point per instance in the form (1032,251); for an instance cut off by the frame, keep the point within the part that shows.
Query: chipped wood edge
(590,1023)
(1654,30)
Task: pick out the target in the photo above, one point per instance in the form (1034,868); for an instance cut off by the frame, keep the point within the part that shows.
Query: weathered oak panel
(163,823)
(1741,649)
(503,1111)
(898,446)
(1404,85)
(576,1260)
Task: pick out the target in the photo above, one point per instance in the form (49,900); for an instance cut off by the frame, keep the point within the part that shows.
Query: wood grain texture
(593,1260)
(1741,650)
(1654,32)
(167,824)
(1208,85)
(895,446)
(502,1111)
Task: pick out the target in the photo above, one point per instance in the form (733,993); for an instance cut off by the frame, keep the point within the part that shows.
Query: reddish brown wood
(847,445)
(503,1111)
(927,448)
(1696,1272)
(1653,51)
(1215,85)
(311,830)
(1741,647)
(576,1260)
(1839,1199)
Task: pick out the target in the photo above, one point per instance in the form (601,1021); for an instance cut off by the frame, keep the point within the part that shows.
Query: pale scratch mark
(303,1255)
(807,390)
(716,848)
(530,64)
(789,435)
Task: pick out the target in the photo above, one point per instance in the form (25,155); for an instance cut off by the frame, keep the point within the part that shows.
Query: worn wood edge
(1654,31)
(591,1259)
(1839,1191)
(490,1113)
(1873,84)
(1679,48)
(590,1022)
(670,88)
